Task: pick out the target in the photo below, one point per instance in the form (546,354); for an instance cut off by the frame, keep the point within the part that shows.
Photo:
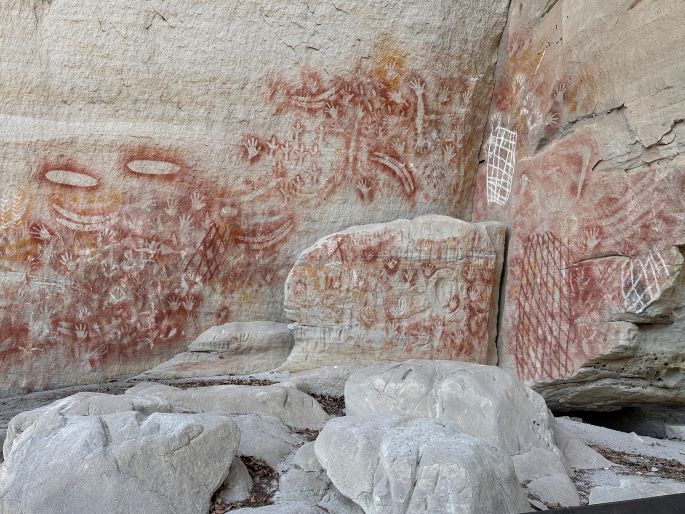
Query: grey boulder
(118,462)
(393,466)
(305,458)
(265,438)
(238,484)
(483,401)
(292,407)
(83,404)
(543,474)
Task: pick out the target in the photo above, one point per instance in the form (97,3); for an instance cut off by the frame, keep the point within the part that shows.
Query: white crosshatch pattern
(501,159)
(641,277)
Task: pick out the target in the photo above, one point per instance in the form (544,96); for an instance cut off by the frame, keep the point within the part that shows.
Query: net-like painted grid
(546,329)
(213,247)
(501,159)
(641,278)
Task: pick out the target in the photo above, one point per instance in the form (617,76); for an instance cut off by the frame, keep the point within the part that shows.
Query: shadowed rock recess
(351,257)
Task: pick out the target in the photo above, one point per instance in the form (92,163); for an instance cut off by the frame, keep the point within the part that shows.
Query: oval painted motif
(150,167)
(70,178)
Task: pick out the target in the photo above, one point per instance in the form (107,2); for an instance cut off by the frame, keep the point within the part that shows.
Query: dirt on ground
(644,465)
(333,405)
(227,381)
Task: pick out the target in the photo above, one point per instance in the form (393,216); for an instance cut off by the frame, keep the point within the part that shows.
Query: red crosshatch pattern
(213,247)
(546,331)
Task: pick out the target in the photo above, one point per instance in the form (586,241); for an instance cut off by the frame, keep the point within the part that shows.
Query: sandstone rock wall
(584,161)
(164,162)
(423,288)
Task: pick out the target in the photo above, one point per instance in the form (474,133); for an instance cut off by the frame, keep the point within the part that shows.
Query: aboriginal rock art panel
(545,331)
(393,294)
(572,227)
(641,277)
(387,126)
(140,257)
(500,164)
(534,99)
(130,266)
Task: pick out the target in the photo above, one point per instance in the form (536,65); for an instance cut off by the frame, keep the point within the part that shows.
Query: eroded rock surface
(165,162)
(584,160)
(115,460)
(387,465)
(238,483)
(483,401)
(422,288)
(292,407)
(266,438)
(238,348)
(544,475)
(326,381)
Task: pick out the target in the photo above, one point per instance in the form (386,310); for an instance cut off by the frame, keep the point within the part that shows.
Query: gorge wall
(163,163)
(584,162)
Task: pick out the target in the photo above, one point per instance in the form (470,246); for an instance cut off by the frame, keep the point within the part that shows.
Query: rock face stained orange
(423,288)
(584,164)
(164,163)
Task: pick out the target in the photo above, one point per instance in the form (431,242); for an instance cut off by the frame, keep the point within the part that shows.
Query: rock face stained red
(583,161)
(422,288)
(164,163)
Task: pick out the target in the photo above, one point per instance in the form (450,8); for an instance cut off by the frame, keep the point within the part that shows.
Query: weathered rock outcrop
(326,381)
(238,348)
(83,404)
(483,401)
(411,453)
(109,460)
(164,162)
(292,407)
(388,465)
(422,288)
(265,438)
(584,162)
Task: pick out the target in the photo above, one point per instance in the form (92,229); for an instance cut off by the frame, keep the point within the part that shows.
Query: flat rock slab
(130,461)
(326,381)
(294,408)
(484,401)
(613,487)
(624,442)
(421,288)
(238,348)
(389,465)
(283,508)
